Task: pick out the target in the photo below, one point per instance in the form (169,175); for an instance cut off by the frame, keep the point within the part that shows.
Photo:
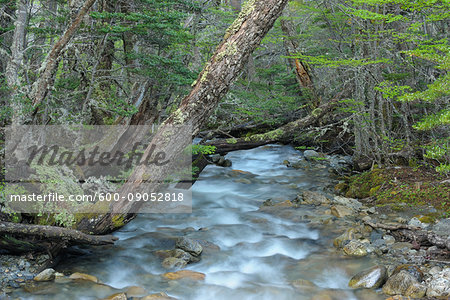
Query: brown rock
(82,276)
(135,291)
(341,211)
(184,274)
(117,296)
(159,296)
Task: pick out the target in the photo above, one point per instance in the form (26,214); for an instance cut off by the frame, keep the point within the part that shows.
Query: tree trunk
(50,64)
(299,68)
(16,59)
(241,39)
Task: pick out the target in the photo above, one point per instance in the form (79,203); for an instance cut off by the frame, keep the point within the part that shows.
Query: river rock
(184,274)
(355,248)
(439,284)
(389,239)
(370,278)
(117,296)
(82,276)
(398,284)
(305,285)
(311,154)
(416,223)
(315,198)
(46,275)
(158,296)
(411,269)
(348,202)
(189,245)
(135,291)
(348,235)
(401,246)
(341,211)
(173,263)
(442,227)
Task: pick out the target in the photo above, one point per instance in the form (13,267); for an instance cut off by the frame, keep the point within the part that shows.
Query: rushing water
(263,252)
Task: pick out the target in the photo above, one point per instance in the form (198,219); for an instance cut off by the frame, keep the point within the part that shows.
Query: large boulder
(404,283)
(370,278)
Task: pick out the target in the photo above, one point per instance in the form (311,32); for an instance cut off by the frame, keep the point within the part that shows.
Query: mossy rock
(366,184)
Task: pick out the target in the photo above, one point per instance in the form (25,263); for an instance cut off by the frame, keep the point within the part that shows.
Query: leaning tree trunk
(50,64)
(241,39)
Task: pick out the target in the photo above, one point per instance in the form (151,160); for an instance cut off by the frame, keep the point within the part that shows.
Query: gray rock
(379,243)
(311,154)
(174,263)
(348,202)
(355,248)
(442,227)
(416,223)
(389,239)
(191,246)
(401,246)
(46,275)
(316,198)
(399,283)
(370,278)
(439,284)
(372,210)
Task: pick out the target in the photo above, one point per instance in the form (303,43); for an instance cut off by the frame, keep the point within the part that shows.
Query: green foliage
(203,149)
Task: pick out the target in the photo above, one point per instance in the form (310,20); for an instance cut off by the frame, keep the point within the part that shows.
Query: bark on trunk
(16,59)
(241,39)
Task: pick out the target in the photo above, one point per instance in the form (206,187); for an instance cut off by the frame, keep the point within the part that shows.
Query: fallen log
(45,232)
(283,134)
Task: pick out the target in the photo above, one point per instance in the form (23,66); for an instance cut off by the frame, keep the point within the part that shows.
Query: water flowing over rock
(370,278)
(117,296)
(184,274)
(82,276)
(174,263)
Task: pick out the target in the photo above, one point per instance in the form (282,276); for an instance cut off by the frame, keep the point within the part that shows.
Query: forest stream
(266,252)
